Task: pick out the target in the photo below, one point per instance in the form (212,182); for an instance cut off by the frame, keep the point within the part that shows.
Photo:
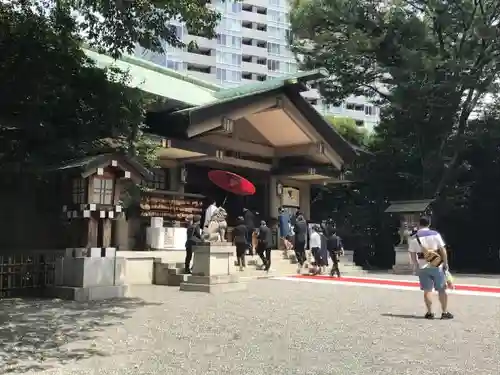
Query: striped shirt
(429,238)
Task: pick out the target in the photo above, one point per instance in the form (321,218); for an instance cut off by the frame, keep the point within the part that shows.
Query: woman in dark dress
(300,239)
(240,240)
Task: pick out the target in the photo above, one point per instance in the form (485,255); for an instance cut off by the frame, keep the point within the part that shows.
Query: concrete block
(110,252)
(213,270)
(95,252)
(95,293)
(139,271)
(213,259)
(89,272)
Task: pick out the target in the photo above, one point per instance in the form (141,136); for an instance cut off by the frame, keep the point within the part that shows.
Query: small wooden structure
(409,213)
(92,187)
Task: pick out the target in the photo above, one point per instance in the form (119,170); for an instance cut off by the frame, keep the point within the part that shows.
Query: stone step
(215,279)
(176,280)
(279,266)
(173,265)
(213,288)
(175,271)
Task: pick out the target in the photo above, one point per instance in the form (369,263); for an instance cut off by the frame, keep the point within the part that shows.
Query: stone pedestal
(89,274)
(348,257)
(402,263)
(213,271)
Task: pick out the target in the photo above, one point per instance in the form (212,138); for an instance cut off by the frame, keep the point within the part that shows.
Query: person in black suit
(193,238)
(264,244)
(251,224)
(301,234)
(240,241)
(335,249)
(293,218)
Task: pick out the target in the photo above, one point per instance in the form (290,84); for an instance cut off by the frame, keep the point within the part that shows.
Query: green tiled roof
(159,81)
(81,163)
(169,83)
(94,161)
(228,95)
(415,206)
(271,84)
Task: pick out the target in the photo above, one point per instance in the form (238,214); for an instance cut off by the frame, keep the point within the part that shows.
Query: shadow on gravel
(34,333)
(404,316)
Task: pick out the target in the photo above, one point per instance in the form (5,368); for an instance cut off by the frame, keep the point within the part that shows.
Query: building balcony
(254,17)
(257,3)
(200,41)
(194,58)
(254,51)
(355,115)
(254,68)
(253,34)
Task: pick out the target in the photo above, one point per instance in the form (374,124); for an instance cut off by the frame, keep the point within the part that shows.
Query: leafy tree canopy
(429,64)
(54,102)
(116,26)
(349,130)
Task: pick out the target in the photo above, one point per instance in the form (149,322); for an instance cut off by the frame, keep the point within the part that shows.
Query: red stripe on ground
(360,280)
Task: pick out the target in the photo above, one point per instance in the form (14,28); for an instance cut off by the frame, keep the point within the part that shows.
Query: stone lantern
(93,186)
(90,269)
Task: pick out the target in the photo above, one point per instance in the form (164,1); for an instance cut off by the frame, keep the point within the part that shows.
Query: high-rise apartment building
(251,45)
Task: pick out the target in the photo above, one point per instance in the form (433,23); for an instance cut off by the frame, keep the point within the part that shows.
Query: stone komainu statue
(404,233)
(217,226)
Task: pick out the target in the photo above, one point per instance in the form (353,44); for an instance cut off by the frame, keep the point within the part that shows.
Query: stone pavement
(274,328)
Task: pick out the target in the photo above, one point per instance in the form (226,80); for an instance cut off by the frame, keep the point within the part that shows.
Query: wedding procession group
(253,236)
(322,239)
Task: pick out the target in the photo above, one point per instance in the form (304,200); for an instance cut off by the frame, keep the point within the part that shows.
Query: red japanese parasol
(232,182)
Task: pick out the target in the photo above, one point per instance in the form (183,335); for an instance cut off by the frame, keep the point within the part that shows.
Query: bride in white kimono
(209,212)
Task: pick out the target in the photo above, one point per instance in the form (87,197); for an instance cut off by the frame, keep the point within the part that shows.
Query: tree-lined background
(433,68)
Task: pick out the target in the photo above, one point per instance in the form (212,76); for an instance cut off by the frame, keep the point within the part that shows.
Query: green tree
(429,63)
(116,26)
(349,130)
(54,102)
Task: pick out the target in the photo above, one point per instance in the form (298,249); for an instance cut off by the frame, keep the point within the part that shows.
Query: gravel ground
(274,328)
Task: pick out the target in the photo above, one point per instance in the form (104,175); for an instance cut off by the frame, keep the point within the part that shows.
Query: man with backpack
(430,261)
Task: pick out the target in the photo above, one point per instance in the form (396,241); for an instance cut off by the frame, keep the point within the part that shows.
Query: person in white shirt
(315,245)
(209,212)
(430,277)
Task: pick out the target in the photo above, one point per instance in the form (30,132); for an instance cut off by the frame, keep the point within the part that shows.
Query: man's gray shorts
(432,278)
